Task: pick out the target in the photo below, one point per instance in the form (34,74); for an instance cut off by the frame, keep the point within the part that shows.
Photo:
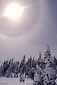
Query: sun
(13,11)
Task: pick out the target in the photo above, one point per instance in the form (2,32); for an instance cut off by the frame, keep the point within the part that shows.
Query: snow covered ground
(14,81)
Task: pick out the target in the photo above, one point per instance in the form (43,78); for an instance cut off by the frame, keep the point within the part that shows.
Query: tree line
(44,65)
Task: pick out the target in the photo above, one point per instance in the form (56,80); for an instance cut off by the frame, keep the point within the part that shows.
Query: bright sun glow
(13,11)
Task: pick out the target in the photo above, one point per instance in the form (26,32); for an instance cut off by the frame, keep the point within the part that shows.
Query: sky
(31,34)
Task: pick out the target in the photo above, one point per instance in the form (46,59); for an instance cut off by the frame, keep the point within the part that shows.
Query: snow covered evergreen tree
(50,70)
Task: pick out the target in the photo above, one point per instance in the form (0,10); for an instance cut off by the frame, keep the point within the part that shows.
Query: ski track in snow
(15,81)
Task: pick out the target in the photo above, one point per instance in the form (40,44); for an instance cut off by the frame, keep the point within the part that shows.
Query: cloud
(2,36)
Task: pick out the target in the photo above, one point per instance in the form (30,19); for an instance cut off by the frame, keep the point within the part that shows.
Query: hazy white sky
(33,33)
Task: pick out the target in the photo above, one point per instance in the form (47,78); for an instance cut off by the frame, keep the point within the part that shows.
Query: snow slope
(14,81)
